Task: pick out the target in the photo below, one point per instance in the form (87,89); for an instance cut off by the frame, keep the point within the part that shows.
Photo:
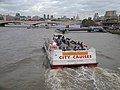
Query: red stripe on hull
(62,66)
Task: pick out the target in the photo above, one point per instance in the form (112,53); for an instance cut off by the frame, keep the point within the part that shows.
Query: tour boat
(61,30)
(64,52)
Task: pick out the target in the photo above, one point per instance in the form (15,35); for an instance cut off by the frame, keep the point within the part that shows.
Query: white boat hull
(58,58)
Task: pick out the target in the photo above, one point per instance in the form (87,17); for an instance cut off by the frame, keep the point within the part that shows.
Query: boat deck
(66,44)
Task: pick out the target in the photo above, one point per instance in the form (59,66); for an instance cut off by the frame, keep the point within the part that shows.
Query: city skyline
(69,8)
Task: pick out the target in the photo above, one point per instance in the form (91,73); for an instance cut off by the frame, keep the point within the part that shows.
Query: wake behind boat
(62,51)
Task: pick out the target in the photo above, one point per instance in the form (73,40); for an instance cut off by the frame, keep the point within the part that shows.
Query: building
(110,18)
(17,16)
(77,18)
(1,17)
(73,17)
(51,17)
(23,18)
(119,18)
(111,13)
(64,17)
(35,18)
(96,17)
(48,16)
(28,18)
(101,18)
(44,16)
(8,18)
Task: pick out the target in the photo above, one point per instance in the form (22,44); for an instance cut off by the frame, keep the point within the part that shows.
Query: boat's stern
(61,58)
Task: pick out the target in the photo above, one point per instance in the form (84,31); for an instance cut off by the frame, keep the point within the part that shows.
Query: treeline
(88,22)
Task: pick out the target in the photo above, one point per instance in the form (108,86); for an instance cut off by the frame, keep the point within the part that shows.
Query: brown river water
(23,62)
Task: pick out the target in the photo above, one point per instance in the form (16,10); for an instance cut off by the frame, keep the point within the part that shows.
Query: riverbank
(114,31)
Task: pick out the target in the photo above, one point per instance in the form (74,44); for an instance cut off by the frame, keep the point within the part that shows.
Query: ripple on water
(82,79)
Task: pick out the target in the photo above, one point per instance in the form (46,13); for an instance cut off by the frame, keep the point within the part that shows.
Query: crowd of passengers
(68,44)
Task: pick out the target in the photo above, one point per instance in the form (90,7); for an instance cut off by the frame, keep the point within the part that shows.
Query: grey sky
(84,8)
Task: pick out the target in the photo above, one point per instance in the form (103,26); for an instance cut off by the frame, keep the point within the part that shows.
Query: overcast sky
(70,8)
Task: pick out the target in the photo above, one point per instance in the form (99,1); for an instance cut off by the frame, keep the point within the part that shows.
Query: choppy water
(23,63)
(83,79)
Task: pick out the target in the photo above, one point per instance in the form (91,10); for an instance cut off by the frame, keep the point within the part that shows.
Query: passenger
(58,41)
(53,38)
(63,40)
(58,37)
(81,44)
(63,49)
(59,47)
(53,45)
(73,42)
(78,43)
(84,46)
(67,48)
(77,47)
(74,48)
(68,38)
(68,43)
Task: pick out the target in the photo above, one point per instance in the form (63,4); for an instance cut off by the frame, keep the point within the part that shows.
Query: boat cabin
(57,35)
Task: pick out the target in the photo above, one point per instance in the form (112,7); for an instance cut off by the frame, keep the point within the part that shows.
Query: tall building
(44,16)
(110,18)
(48,16)
(73,17)
(51,17)
(17,16)
(77,17)
(64,17)
(1,17)
(110,13)
(119,17)
(96,17)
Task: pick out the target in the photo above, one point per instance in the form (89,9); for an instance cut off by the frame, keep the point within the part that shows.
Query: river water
(23,62)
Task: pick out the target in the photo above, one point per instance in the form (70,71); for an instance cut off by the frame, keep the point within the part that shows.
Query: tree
(88,22)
